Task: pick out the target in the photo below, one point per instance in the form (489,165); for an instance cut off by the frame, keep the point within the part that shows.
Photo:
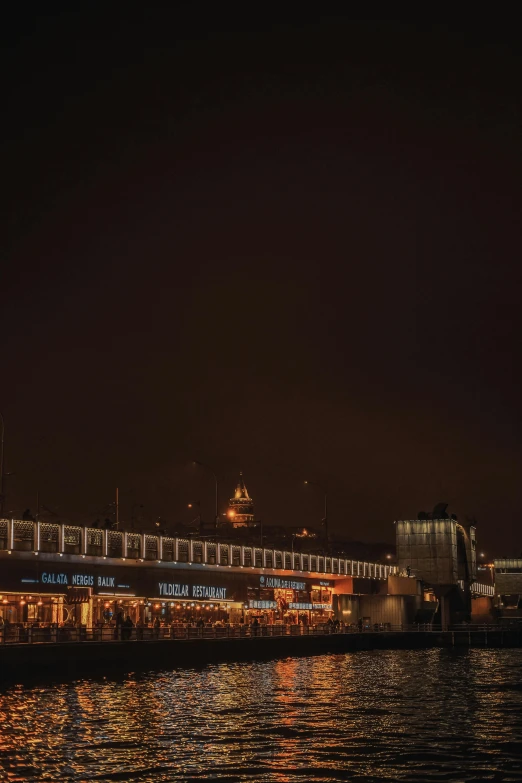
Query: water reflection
(383,715)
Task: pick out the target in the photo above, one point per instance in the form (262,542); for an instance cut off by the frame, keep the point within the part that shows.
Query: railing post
(125,544)
(160,548)
(37,536)
(61,537)
(10,534)
(176,550)
(105,534)
(142,546)
(85,539)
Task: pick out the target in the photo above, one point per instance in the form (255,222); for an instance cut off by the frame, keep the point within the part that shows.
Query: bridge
(17,536)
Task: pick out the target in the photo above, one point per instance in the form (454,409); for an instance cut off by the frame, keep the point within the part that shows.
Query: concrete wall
(346,608)
(386,609)
(429,548)
(508,584)
(482,610)
(393,609)
(403,585)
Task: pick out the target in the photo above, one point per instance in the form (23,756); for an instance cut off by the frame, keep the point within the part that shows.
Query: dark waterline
(421,715)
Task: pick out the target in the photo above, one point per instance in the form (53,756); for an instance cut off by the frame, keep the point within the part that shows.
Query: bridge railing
(64,635)
(28,536)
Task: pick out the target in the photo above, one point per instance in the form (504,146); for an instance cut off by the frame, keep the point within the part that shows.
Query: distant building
(240,510)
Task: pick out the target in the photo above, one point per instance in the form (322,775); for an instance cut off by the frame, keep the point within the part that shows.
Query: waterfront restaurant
(63,574)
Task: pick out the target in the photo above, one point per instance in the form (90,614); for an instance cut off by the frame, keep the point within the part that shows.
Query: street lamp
(198,518)
(202,465)
(323,490)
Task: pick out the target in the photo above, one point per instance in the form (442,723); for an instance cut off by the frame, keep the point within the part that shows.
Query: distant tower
(240,510)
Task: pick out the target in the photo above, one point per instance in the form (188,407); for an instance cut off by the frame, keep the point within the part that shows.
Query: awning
(78,595)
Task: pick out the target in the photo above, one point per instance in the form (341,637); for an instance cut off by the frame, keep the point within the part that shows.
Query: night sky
(278,245)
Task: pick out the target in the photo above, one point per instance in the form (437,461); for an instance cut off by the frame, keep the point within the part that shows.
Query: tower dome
(240,510)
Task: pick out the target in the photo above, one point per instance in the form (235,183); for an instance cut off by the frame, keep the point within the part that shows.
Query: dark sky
(287,246)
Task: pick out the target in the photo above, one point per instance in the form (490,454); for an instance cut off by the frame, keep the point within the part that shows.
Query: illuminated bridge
(60,573)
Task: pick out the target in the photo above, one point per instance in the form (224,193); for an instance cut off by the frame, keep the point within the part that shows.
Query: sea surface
(430,715)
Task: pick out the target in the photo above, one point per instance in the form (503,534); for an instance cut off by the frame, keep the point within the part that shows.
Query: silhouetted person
(119,623)
(126,630)
(27,516)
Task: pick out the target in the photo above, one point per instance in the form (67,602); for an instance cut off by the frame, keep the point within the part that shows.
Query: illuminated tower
(241,508)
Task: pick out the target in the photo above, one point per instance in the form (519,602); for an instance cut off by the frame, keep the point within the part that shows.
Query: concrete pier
(20,661)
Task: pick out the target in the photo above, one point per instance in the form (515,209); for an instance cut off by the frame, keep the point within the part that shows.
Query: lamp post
(323,490)
(198,518)
(202,465)
(2,466)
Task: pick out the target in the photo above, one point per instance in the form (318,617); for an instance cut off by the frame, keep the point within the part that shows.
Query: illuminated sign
(323,606)
(177,590)
(281,584)
(262,604)
(77,580)
(308,607)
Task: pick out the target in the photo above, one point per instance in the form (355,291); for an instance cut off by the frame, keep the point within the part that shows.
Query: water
(435,715)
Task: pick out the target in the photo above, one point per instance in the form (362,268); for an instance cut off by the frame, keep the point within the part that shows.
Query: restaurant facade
(54,590)
(57,574)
